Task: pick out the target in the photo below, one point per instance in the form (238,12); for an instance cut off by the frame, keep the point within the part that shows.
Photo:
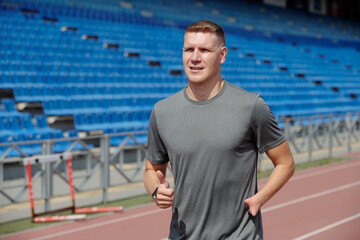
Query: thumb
(162,178)
(253,208)
(247,201)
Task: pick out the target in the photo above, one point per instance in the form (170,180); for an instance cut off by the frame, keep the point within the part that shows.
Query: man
(211,133)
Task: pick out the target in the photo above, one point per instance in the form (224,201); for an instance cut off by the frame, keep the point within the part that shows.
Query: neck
(205,91)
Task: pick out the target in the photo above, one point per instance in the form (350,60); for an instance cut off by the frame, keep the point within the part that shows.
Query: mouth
(196,68)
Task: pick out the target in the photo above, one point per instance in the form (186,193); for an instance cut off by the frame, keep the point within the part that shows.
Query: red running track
(321,203)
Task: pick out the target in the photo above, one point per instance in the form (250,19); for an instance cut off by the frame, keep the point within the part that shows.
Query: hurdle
(78,213)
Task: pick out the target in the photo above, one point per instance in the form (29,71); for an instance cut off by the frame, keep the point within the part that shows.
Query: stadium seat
(106,64)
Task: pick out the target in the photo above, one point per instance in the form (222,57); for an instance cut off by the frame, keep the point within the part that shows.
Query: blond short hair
(207,26)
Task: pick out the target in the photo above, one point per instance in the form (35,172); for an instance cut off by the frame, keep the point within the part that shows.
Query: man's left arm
(283,161)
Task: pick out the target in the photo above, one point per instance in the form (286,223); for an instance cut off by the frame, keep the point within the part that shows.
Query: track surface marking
(316,204)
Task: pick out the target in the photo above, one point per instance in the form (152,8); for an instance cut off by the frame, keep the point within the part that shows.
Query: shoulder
(169,103)
(241,97)
(241,92)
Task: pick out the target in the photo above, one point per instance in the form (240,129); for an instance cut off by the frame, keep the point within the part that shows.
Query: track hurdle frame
(78,213)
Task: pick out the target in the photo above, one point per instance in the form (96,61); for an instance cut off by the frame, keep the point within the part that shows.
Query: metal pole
(88,165)
(121,159)
(31,196)
(47,178)
(139,157)
(105,173)
(287,132)
(310,135)
(1,175)
(331,136)
(71,184)
(349,129)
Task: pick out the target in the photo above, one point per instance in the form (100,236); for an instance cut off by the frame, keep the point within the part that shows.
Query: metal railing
(97,156)
(315,137)
(323,132)
(102,161)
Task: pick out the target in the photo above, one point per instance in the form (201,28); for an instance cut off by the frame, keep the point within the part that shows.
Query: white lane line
(263,211)
(315,173)
(99,224)
(328,227)
(318,172)
(311,196)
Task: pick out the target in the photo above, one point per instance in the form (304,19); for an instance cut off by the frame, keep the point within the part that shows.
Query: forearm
(284,168)
(154,178)
(280,175)
(151,181)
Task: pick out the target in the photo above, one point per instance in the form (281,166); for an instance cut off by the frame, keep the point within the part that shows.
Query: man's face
(203,55)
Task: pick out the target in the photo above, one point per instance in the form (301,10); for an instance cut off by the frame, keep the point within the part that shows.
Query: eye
(188,49)
(204,50)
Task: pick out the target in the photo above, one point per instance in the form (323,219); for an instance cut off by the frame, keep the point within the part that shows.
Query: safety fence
(94,158)
(325,132)
(103,161)
(319,136)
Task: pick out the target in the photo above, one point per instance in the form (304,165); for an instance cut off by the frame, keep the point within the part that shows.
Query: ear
(223,53)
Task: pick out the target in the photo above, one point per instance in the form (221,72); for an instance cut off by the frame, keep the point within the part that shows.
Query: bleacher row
(106,63)
(22,127)
(43,92)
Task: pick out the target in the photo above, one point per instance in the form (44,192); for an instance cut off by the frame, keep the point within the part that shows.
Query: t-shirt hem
(272,145)
(154,161)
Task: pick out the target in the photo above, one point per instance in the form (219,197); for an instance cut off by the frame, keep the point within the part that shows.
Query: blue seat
(103,88)
(11,123)
(26,123)
(9,105)
(41,121)
(34,148)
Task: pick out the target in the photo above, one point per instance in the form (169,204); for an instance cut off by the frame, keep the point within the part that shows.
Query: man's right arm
(154,177)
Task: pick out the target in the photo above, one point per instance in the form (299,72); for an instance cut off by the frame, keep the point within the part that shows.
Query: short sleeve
(265,128)
(156,151)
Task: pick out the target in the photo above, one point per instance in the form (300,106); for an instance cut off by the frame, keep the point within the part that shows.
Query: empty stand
(106,63)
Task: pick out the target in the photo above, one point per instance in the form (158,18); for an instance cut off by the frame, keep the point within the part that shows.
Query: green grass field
(25,224)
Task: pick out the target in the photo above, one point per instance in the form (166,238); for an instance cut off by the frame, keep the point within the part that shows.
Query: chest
(220,128)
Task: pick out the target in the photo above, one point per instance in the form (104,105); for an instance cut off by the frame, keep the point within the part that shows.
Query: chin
(195,79)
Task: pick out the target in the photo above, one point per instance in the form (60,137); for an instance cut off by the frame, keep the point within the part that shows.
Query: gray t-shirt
(213,147)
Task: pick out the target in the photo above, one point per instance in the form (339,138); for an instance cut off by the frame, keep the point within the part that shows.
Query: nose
(196,57)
